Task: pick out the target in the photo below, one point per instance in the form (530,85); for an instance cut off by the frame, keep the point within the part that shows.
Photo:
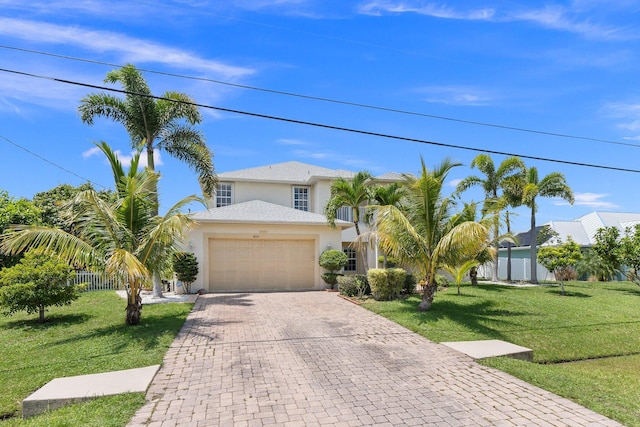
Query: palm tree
(155,124)
(354,193)
(458,271)
(385,195)
(425,234)
(124,239)
(552,185)
(492,184)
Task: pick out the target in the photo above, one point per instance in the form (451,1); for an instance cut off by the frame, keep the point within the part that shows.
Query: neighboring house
(582,230)
(267,229)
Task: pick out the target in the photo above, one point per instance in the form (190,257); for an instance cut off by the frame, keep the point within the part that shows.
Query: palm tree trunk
(428,292)
(157,286)
(508,250)
(533,247)
(134,311)
(496,235)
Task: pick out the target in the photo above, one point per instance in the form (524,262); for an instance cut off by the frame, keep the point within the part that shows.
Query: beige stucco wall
(200,235)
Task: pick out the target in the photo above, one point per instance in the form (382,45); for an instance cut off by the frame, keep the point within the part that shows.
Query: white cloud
(458,95)
(379,7)
(553,16)
(593,200)
(130,49)
(627,113)
(454,182)
(125,159)
(291,141)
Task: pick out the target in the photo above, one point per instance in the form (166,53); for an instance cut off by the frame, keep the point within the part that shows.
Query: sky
(553,80)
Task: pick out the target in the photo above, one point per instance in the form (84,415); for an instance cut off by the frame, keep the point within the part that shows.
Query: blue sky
(565,67)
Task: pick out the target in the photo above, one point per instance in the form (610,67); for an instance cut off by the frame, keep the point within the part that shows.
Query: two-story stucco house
(267,229)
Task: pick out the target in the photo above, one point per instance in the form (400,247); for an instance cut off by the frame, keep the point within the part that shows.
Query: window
(351,259)
(223,195)
(345,213)
(301,198)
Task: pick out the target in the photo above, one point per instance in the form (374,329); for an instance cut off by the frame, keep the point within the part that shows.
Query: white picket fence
(95,281)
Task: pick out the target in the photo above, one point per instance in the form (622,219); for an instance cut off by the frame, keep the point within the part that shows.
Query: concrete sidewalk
(311,358)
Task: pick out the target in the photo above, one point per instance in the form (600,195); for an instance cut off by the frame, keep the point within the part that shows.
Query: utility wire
(333,101)
(44,159)
(321,125)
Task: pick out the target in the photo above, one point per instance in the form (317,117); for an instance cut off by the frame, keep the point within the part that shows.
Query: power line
(321,125)
(331,100)
(44,159)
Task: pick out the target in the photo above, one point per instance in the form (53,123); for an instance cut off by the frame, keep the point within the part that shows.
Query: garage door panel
(261,264)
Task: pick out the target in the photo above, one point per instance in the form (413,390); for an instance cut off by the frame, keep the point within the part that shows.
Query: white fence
(520,270)
(95,281)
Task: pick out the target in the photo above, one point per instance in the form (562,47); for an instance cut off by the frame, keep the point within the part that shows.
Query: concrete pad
(491,348)
(64,391)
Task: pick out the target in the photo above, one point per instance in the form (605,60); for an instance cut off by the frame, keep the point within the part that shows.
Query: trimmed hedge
(353,285)
(386,284)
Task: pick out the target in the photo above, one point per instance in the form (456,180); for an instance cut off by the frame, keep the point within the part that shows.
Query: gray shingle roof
(258,211)
(295,173)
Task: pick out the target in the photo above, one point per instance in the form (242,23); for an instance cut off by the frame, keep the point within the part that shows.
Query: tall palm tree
(355,194)
(552,185)
(164,124)
(492,184)
(386,195)
(124,239)
(425,233)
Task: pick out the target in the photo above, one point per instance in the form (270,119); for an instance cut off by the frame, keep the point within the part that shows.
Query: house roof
(295,173)
(582,230)
(258,211)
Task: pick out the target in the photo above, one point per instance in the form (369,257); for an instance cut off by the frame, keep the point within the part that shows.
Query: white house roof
(582,230)
(295,173)
(289,172)
(258,211)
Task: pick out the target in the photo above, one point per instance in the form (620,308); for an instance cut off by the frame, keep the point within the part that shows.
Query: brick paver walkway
(312,358)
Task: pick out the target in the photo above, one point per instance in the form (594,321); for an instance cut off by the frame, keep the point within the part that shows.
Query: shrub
(185,265)
(566,274)
(391,262)
(353,285)
(333,260)
(331,278)
(35,283)
(409,287)
(442,281)
(396,277)
(386,284)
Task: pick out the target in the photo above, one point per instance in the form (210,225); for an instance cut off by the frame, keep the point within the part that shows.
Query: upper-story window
(224,195)
(345,213)
(301,198)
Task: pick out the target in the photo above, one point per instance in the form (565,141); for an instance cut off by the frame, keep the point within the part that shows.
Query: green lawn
(586,344)
(88,336)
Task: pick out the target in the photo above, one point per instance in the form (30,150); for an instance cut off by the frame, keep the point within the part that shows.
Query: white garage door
(243,265)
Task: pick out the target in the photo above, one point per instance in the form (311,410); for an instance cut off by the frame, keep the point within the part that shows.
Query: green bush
(409,287)
(333,260)
(391,262)
(35,283)
(353,285)
(386,284)
(396,277)
(442,281)
(331,278)
(185,265)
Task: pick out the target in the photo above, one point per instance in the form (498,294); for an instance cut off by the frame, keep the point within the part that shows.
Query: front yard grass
(89,336)
(586,344)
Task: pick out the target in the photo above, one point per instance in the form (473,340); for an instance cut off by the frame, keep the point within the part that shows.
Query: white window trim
(230,184)
(293,197)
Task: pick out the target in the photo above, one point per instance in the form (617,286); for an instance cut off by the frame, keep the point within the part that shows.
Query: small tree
(622,253)
(560,259)
(185,265)
(459,271)
(332,260)
(35,283)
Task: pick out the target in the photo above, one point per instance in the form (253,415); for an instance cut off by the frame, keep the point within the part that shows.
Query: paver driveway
(312,358)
